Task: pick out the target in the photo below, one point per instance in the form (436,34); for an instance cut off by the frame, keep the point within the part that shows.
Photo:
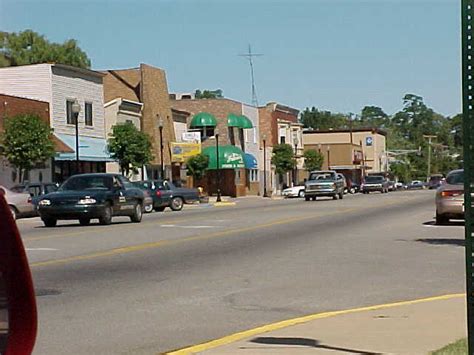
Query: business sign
(358,156)
(369,141)
(180,152)
(191,137)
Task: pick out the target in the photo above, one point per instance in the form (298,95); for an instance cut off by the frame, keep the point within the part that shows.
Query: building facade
(60,86)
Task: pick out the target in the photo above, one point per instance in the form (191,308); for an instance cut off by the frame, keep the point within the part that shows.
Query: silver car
(324,183)
(450,198)
(20,203)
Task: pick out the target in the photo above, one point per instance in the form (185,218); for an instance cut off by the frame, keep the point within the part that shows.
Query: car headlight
(44,203)
(86,201)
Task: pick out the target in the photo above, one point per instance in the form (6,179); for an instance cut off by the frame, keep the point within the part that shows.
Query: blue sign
(369,141)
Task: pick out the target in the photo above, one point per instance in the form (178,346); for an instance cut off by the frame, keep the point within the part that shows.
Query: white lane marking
(167,225)
(41,249)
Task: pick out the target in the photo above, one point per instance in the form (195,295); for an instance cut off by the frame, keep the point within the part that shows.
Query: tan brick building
(146,85)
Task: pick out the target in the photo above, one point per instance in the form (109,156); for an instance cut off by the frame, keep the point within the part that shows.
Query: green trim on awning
(234,120)
(230,157)
(203,119)
(246,123)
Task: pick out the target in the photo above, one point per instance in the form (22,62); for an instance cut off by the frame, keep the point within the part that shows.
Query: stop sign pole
(467,34)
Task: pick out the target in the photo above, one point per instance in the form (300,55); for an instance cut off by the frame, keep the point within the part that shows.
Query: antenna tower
(250,57)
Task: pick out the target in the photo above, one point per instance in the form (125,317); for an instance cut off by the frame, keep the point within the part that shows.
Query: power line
(250,57)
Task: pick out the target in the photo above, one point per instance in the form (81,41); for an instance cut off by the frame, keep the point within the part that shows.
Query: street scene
(298,182)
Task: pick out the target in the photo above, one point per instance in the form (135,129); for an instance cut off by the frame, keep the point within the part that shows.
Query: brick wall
(11,106)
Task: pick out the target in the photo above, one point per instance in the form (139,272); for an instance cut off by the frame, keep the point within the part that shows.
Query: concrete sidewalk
(413,327)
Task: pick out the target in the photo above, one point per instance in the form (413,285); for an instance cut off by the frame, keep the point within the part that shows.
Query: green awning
(234,120)
(230,157)
(246,123)
(203,119)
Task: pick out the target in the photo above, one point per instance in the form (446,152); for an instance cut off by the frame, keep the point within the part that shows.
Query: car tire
(159,209)
(334,197)
(49,222)
(176,204)
(137,215)
(148,208)
(441,220)
(307,198)
(84,221)
(314,198)
(301,193)
(106,217)
(13,212)
(341,196)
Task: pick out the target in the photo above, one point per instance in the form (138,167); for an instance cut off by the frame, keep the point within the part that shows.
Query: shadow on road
(442,241)
(312,343)
(451,223)
(77,225)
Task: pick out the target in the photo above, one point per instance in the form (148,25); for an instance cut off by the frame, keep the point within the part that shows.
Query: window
(253,175)
(207,132)
(282,140)
(231,135)
(69,114)
(88,113)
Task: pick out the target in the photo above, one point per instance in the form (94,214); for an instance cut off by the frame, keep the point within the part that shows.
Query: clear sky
(338,55)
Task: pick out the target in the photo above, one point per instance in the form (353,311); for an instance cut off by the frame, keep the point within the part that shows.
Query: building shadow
(307,342)
(450,223)
(442,241)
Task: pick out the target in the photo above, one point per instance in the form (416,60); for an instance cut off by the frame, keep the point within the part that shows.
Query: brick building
(11,106)
(146,85)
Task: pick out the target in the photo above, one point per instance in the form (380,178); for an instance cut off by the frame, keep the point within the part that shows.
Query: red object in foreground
(22,314)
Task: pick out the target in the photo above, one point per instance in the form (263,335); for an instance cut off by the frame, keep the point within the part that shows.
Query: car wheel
(137,215)
(314,198)
(13,212)
(341,195)
(176,204)
(106,217)
(84,221)
(159,209)
(49,222)
(441,220)
(301,193)
(334,197)
(148,208)
(307,198)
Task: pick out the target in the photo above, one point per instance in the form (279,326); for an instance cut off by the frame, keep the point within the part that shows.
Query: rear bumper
(450,207)
(71,212)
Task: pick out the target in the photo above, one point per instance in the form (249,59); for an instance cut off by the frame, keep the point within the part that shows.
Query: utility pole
(430,137)
(249,55)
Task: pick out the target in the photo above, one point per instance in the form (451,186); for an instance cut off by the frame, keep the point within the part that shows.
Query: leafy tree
(29,47)
(27,142)
(323,120)
(197,166)
(373,116)
(209,94)
(283,158)
(313,160)
(130,147)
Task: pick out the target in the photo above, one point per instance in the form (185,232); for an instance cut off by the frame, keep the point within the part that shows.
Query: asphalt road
(186,277)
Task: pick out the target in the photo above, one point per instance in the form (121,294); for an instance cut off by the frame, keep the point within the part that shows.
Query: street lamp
(264,139)
(216,134)
(76,108)
(160,126)
(329,157)
(296,164)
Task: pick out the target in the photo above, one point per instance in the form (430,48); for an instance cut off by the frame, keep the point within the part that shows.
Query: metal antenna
(249,56)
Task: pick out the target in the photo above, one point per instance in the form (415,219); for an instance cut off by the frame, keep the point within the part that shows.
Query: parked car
(295,191)
(416,185)
(375,183)
(166,194)
(147,202)
(400,185)
(391,185)
(88,196)
(20,203)
(36,190)
(344,181)
(435,181)
(450,198)
(324,183)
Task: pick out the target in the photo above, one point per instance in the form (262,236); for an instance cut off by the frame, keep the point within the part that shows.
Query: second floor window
(69,114)
(88,113)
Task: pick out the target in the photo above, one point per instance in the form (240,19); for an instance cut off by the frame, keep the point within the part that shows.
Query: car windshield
(371,179)
(322,176)
(456,178)
(77,183)
(50,188)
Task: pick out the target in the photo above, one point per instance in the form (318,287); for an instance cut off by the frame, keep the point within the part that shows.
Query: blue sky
(338,55)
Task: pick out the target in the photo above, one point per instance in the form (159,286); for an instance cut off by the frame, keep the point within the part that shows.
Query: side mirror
(18,315)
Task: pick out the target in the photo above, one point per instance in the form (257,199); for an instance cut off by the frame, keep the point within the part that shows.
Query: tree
(197,166)
(373,116)
(323,120)
(313,160)
(283,158)
(29,47)
(130,147)
(209,94)
(27,142)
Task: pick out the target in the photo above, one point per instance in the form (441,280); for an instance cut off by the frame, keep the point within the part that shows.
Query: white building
(60,85)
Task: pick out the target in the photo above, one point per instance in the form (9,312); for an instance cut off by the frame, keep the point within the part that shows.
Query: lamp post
(295,179)
(160,126)
(264,139)
(216,134)
(76,108)
(329,157)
